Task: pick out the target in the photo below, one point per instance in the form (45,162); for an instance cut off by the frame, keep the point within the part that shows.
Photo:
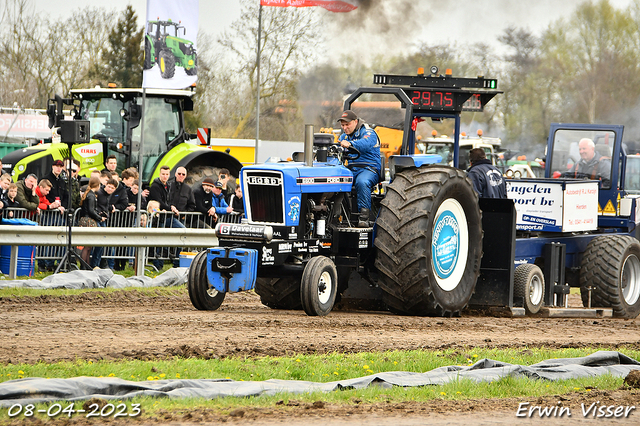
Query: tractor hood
(273,191)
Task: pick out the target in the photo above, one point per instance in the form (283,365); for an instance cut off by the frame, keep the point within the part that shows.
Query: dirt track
(133,325)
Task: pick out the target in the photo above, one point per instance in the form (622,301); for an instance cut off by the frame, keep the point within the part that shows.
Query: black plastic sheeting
(100,278)
(37,390)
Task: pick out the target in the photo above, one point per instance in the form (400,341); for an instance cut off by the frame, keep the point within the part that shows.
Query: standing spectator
(180,196)
(134,190)
(59,191)
(75,183)
(487,179)
(42,190)
(118,204)
(236,201)
(10,202)
(119,199)
(5,180)
(90,216)
(103,198)
(219,203)
(111,164)
(223,177)
(159,190)
(204,199)
(128,177)
(105,175)
(27,197)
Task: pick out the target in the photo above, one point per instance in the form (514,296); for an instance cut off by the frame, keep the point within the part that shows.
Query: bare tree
(289,35)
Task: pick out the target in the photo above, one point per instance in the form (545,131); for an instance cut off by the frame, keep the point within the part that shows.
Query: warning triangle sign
(599,209)
(609,209)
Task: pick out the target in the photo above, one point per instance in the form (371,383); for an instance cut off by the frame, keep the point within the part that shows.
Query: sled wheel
(429,241)
(319,286)
(280,293)
(167,64)
(528,283)
(203,296)
(611,268)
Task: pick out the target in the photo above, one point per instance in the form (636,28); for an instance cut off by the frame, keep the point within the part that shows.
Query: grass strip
(320,368)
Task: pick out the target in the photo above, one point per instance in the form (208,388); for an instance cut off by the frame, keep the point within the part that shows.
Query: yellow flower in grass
(366,367)
(150,378)
(177,375)
(112,375)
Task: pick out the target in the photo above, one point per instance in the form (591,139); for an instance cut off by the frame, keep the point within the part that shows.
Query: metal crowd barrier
(122,219)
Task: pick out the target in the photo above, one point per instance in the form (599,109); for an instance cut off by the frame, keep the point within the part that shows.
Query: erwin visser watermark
(594,410)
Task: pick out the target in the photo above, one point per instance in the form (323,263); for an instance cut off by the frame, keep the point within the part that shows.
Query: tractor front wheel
(319,286)
(167,64)
(203,296)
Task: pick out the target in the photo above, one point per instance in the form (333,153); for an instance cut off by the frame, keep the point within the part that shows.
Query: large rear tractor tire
(167,63)
(528,283)
(279,293)
(203,297)
(429,241)
(611,268)
(319,286)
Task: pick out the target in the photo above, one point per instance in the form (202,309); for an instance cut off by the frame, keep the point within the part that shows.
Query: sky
(387,25)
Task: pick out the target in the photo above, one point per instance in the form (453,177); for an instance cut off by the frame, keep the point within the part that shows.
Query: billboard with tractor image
(170,53)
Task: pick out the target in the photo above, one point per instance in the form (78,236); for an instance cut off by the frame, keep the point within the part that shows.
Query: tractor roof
(134,91)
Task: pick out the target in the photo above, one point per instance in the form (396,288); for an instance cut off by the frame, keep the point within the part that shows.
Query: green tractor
(114,115)
(163,46)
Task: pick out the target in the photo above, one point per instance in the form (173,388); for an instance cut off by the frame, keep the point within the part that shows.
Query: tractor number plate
(226,264)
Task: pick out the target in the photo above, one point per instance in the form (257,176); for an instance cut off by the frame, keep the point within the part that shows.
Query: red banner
(330,5)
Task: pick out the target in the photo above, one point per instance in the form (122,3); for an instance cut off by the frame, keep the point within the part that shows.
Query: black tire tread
(199,284)
(169,63)
(600,268)
(279,293)
(402,231)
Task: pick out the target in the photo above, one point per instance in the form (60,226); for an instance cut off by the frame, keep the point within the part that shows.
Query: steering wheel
(351,153)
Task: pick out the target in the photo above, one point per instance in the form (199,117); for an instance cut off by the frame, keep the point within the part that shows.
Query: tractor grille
(265,199)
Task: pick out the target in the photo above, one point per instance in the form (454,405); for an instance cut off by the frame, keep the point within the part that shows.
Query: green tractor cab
(162,45)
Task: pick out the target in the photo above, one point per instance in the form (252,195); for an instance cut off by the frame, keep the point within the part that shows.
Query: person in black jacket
(487,179)
(103,206)
(59,191)
(90,216)
(159,189)
(180,196)
(204,196)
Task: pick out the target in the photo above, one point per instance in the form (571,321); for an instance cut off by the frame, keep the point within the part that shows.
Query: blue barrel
(26,260)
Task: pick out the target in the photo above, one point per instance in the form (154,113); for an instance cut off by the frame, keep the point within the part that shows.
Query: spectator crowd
(110,198)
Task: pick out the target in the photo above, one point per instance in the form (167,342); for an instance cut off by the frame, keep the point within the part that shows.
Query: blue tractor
(434,248)
(300,245)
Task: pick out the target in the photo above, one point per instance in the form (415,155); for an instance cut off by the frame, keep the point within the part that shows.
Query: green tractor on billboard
(163,46)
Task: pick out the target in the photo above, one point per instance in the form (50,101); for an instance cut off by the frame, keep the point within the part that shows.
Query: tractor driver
(366,169)
(591,165)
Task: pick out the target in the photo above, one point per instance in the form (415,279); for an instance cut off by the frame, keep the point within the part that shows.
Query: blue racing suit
(366,169)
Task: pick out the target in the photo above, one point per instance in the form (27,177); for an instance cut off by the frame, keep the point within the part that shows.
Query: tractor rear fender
(400,162)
